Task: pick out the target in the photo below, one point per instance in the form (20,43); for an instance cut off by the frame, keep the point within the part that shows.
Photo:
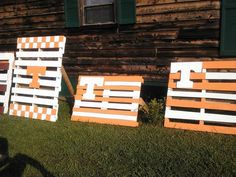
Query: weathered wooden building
(125,37)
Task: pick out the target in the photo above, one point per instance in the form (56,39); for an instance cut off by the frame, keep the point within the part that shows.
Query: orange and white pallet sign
(202,96)
(37,77)
(108,100)
(6,64)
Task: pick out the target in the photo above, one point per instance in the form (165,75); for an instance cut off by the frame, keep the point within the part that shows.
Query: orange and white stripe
(207,95)
(33,112)
(113,100)
(41,42)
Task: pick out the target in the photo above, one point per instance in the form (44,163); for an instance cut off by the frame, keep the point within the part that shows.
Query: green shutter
(71,13)
(228,28)
(126,11)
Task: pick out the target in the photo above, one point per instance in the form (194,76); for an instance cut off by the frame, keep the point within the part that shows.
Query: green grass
(69,149)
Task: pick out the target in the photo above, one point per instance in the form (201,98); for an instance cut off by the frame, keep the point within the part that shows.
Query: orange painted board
(112,88)
(117,100)
(120,78)
(193,76)
(128,113)
(200,104)
(219,65)
(200,127)
(105,121)
(208,86)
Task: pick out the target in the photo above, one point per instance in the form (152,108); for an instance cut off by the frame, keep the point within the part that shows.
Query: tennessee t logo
(185,69)
(90,82)
(35,71)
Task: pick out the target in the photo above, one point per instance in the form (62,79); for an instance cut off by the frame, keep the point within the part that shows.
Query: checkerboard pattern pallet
(6,64)
(37,77)
(108,100)
(202,96)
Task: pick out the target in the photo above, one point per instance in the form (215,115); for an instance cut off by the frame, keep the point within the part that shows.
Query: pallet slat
(42,82)
(47,74)
(3,77)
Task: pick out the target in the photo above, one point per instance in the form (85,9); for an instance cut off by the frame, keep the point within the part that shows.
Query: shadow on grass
(14,167)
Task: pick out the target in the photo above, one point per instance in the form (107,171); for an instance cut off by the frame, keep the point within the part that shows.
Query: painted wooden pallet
(107,99)
(202,96)
(37,77)
(6,64)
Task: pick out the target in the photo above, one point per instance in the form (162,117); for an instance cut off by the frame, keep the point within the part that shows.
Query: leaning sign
(37,77)
(202,96)
(108,99)
(6,63)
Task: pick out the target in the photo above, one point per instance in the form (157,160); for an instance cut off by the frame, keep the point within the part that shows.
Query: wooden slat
(198,127)
(42,82)
(209,86)
(190,94)
(39,54)
(105,121)
(193,76)
(116,100)
(101,111)
(124,78)
(200,104)
(92,104)
(130,88)
(38,92)
(47,74)
(219,65)
(190,115)
(111,93)
(3,77)
(37,63)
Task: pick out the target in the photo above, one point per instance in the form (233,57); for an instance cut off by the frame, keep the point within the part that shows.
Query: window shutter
(71,13)
(126,11)
(228,28)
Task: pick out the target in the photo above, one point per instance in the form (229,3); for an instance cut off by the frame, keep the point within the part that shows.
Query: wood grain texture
(3,66)
(3,88)
(166,31)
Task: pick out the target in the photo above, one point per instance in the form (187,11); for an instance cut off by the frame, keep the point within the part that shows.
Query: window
(228,28)
(98,12)
(93,12)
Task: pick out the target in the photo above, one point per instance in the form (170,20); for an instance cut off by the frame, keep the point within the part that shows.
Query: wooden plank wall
(166,30)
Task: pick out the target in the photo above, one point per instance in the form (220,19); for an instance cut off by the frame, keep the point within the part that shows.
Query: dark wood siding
(166,31)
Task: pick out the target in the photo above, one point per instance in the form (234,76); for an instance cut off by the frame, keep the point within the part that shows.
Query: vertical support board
(6,64)
(37,77)
(202,96)
(108,100)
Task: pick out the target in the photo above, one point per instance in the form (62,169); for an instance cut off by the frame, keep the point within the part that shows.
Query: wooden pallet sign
(37,77)
(202,96)
(6,64)
(108,100)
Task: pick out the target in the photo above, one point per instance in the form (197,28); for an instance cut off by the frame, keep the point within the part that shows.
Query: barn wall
(166,31)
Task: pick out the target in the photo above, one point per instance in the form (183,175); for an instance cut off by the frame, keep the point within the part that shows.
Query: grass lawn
(65,148)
